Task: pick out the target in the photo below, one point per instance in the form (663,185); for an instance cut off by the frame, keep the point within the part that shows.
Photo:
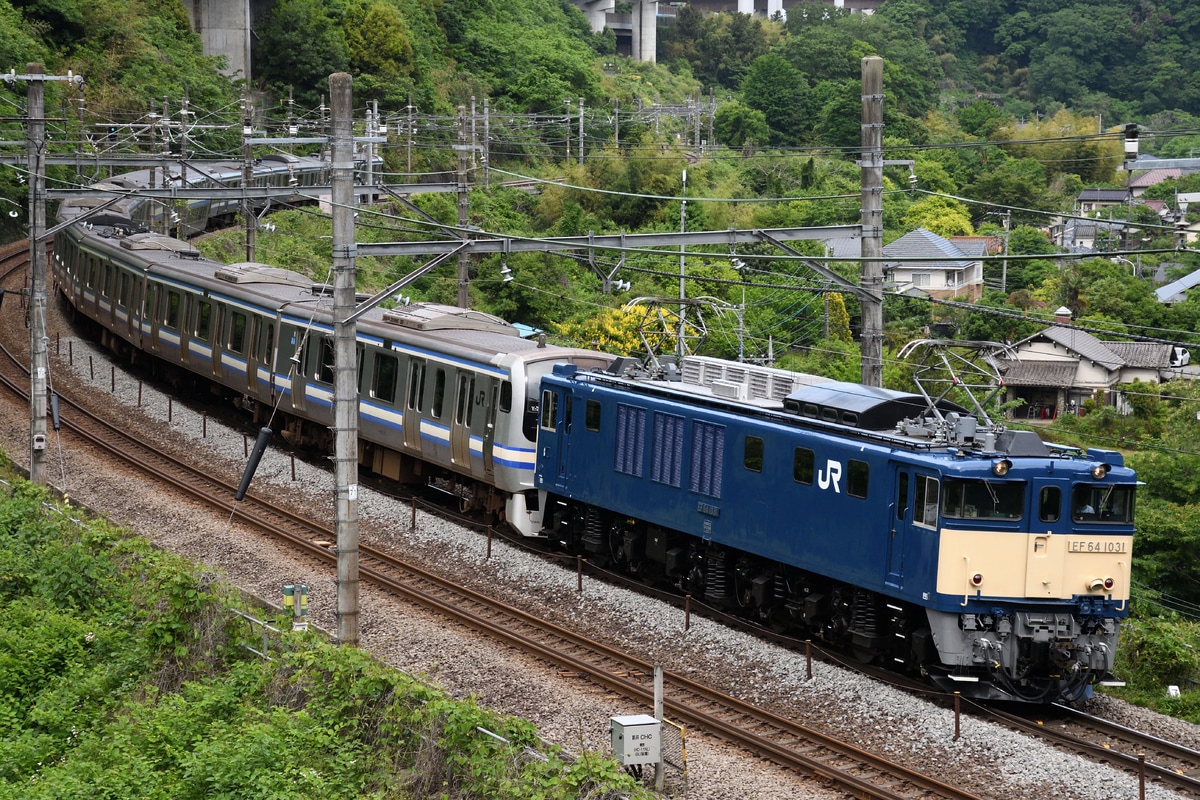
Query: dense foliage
(122,674)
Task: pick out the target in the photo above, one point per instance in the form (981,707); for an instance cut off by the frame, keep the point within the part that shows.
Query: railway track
(1157,761)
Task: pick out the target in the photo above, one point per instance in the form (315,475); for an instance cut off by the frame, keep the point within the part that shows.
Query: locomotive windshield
(983,499)
(1091,504)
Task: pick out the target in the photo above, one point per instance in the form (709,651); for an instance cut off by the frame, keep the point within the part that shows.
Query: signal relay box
(636,739)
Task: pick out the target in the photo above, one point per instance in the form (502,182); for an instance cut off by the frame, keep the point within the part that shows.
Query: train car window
(752,454)
(506,396)
(1104,504)
(666,460)
(383,380)
(326,361)
(464,397)
(803,462)
(925,503)
(630,451)
(174,301)
(123,289)
(237,332)
(902,495)
(708,459)
(858,477)
(983,499)
(152,301)
(266,341)
(1050,504)
(203,319)
(549,415)
(110,276)
(416,386)
(473,401)
(591,415)
(439,393)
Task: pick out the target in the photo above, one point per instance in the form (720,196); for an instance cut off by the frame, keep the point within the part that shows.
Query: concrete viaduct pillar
(224,27)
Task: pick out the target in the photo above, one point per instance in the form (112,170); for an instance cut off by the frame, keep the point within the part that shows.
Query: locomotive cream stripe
(1034,565)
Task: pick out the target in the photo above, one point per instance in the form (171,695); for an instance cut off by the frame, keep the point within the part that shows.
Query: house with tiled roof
(1061,367)
(1091,201)
(1141,182)
(931,265)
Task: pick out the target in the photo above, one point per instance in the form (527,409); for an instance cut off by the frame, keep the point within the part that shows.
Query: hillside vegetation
(125,673)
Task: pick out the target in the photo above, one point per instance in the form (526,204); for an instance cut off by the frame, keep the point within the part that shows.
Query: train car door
(460,422)
(488,414)
(1043,564)
(554,425)
(914,511)
(413,400)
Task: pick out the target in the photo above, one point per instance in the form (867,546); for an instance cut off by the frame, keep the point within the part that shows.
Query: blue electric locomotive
(988,561)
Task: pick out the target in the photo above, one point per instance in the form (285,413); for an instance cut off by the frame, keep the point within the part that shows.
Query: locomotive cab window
(1102,504)
(752,454)
(506,396)
(925,503)
(549,411)
(983,499)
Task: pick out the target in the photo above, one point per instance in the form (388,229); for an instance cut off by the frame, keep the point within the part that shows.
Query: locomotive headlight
(976,579)
(1100,470)
(1000,468)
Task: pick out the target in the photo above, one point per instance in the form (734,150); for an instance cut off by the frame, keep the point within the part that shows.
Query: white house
(940,268)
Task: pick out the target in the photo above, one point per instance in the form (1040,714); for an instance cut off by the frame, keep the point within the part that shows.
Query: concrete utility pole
(872,220)
(345,366)
(39,363)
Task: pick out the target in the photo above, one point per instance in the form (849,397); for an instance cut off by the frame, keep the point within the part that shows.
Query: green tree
(942,215)
(300,45)
(778,90)
(736,124)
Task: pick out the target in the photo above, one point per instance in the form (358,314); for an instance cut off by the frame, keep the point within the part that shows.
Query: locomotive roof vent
(253,272)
